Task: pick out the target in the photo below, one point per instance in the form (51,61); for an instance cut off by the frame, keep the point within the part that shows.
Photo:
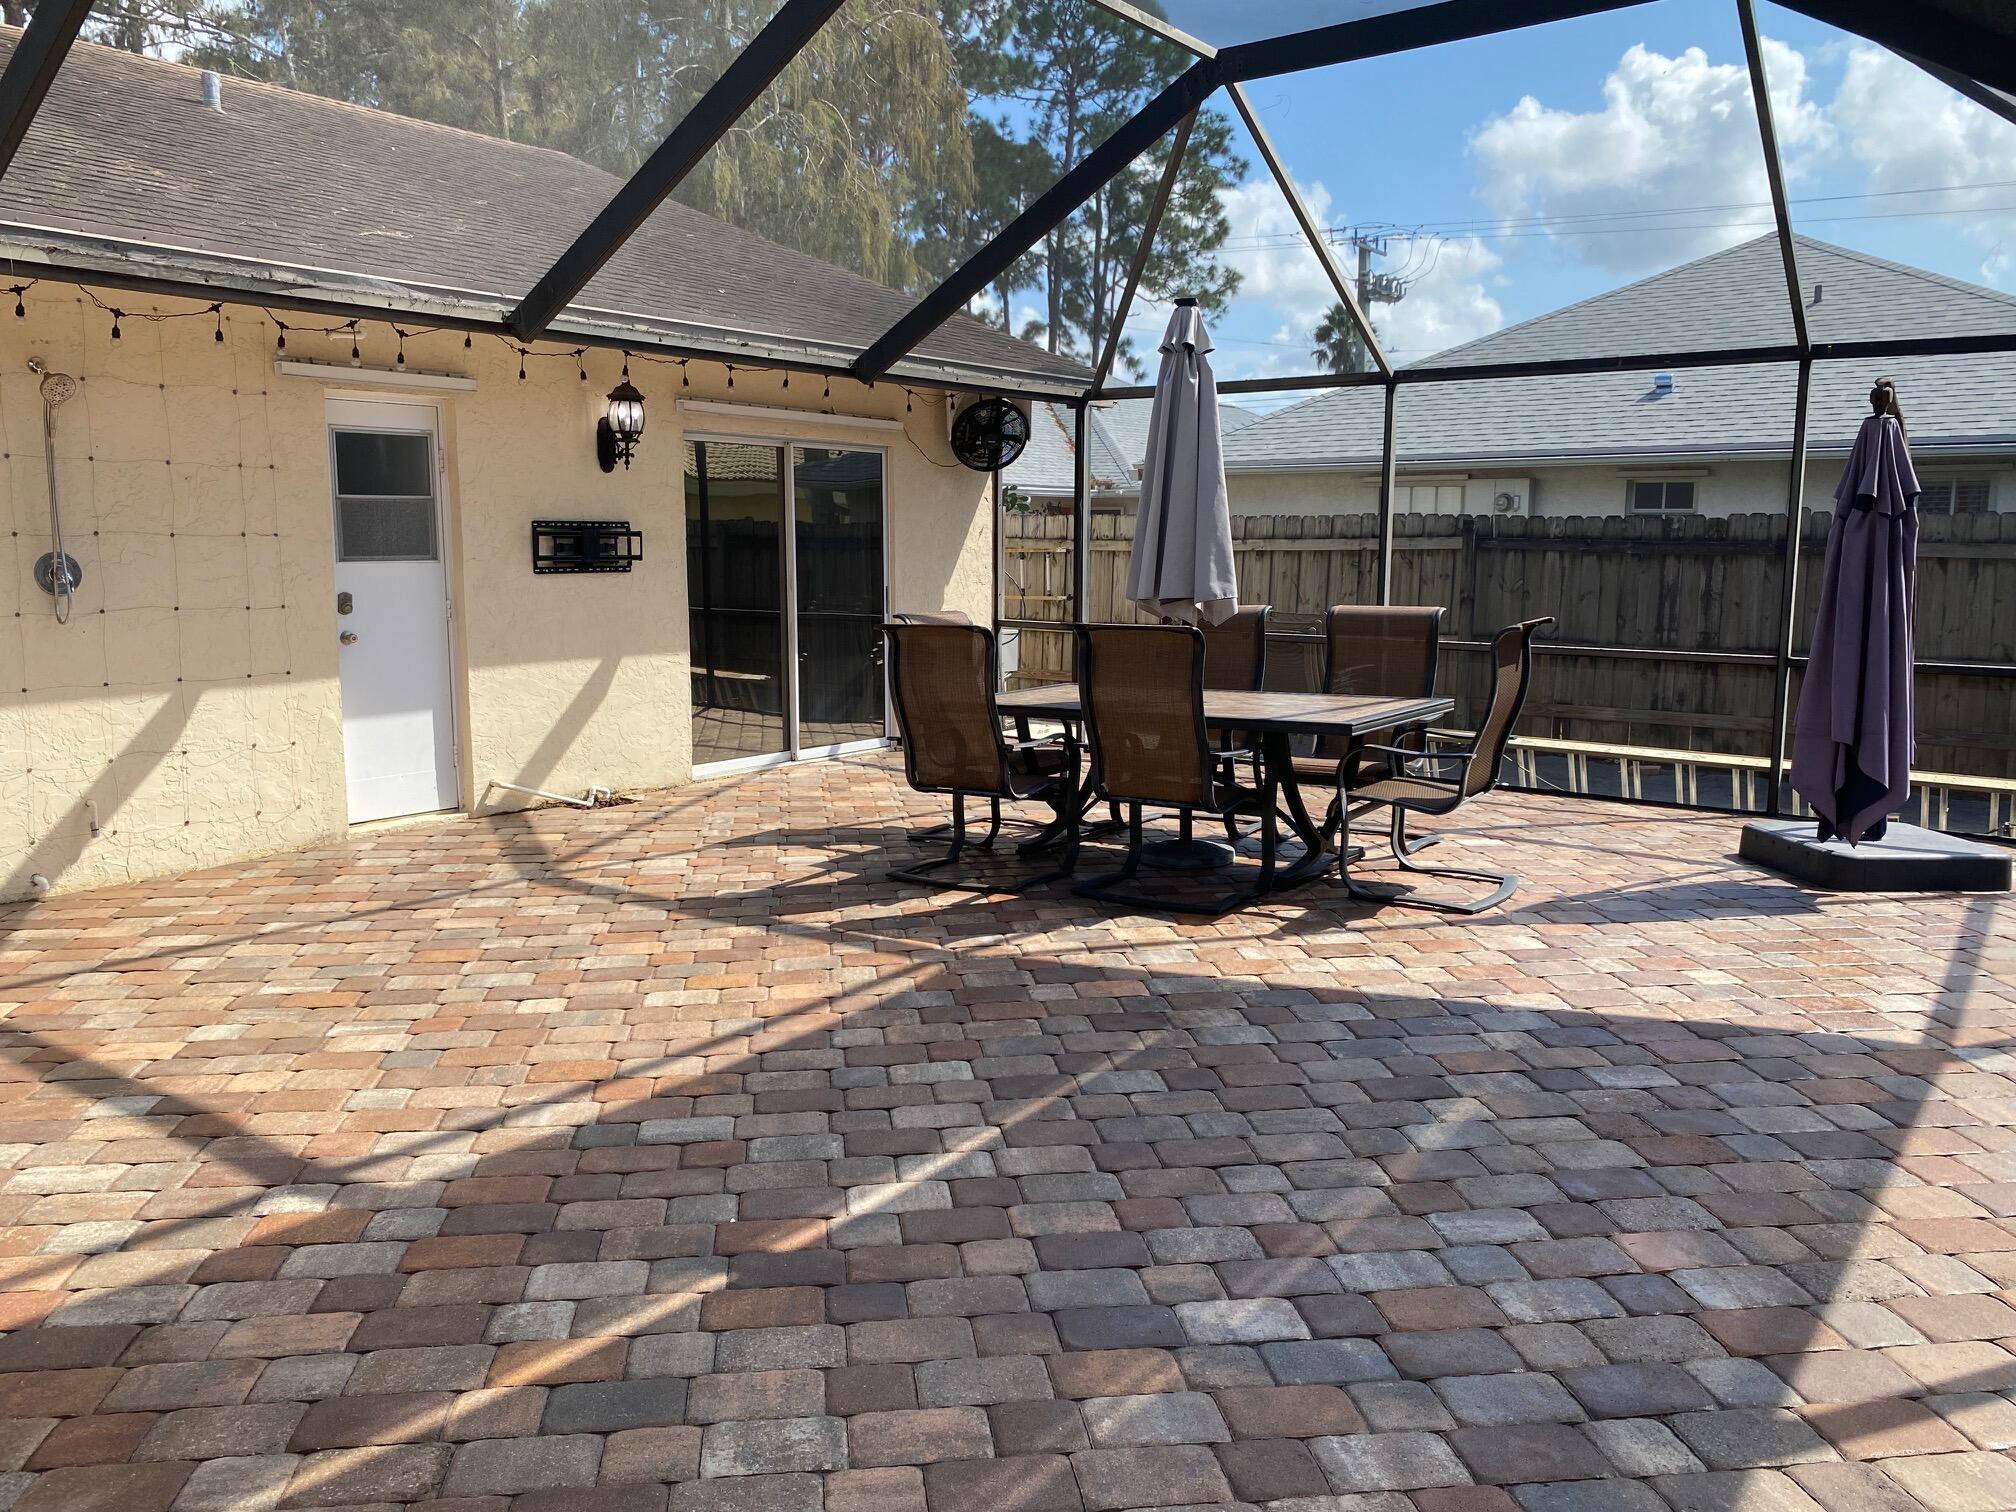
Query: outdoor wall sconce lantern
(617,433)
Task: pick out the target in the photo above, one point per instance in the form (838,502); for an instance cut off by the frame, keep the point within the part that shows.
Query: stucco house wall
(190,713)
(1721,488)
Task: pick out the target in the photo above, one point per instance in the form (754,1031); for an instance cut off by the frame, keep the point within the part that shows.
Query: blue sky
(1548,165)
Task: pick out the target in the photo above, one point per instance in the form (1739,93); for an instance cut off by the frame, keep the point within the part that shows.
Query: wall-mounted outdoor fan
(989,434)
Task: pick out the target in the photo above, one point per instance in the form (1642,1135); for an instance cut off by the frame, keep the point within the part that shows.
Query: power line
(1635,222)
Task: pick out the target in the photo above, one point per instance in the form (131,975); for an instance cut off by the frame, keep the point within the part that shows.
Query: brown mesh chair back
(1142,689)
(1511,676)
(933,617)
(944,680)
(1235,653)
(1379,650)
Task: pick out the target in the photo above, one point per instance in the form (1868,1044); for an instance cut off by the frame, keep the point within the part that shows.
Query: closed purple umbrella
(1853,743)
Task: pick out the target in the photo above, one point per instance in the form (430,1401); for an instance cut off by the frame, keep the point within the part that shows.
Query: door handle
(348,637)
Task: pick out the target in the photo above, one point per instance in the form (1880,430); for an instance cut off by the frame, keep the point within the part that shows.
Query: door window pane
(735,556)
(396,463)
(840,598)
(385,530)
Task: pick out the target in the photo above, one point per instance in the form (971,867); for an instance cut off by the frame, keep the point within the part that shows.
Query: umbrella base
(1187,855)
(1906,859)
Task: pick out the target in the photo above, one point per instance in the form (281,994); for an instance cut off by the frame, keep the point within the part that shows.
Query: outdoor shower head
(58,389)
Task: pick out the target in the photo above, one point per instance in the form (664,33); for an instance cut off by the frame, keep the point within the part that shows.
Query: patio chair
(1235,657)
(1375,650)
(955,617)
(1142,692)
(1392,775)
(944,679)
(1235,653)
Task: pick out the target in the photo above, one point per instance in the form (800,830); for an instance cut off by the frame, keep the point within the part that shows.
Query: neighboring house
(1117,440)
(1706,440)
(308,594)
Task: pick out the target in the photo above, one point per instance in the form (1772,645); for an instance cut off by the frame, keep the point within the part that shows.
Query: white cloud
(1276,266)
(1446,302)
(1673,134)
(1909,132)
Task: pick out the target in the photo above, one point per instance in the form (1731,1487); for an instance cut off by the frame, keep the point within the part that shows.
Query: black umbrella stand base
(1187,855)
(1906,859)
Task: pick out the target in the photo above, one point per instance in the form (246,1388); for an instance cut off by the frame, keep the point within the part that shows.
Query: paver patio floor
(666,1157)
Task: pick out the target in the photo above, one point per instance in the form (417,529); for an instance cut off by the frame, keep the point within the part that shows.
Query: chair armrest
(1461,752)
(1347,769)
(1039,742)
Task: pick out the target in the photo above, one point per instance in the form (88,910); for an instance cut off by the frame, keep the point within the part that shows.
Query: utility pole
(1373,288)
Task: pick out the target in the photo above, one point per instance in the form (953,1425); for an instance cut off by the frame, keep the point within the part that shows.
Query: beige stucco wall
(192,706)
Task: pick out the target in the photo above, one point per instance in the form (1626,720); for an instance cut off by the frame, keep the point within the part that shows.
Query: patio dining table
(1273,719)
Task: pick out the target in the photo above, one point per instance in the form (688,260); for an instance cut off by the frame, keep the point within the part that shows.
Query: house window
(1429,498)
(1661,496)
(1956,496)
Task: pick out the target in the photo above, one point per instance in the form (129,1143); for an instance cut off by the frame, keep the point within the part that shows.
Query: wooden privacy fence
(1676,618)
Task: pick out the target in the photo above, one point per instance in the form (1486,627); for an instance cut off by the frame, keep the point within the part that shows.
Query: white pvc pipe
(588,802)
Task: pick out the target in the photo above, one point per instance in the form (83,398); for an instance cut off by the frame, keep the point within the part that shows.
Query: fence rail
(1665,637)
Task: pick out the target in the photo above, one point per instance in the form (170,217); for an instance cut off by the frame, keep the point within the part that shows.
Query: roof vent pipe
(213,90)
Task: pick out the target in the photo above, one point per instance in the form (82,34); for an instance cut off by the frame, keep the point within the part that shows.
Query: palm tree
(1339,347)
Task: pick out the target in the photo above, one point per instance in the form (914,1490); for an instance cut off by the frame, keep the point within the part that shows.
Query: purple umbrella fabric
(1854,737)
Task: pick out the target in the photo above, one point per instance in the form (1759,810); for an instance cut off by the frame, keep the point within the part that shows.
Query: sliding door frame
(795,750)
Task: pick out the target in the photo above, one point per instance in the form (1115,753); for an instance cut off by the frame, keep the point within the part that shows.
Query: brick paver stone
(668,1157)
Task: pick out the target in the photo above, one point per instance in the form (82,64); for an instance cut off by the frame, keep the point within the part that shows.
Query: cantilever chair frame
(1245,800)
(1477,775)
(1063,784)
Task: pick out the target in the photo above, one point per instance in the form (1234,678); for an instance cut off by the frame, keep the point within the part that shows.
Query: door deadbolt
(343,604)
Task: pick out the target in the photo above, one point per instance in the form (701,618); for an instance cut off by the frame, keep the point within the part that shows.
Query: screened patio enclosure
(619,257)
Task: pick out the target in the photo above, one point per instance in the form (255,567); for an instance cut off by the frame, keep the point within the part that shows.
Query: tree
(857,145)
(1059,76)
(1339,346)
(1181,259)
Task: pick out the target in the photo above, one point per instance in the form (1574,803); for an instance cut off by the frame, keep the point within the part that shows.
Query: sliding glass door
(786,624)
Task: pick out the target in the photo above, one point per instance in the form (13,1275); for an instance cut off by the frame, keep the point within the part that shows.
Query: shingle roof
(124,150)
(1126,423)
(1736,298)
(1951,402)
(1118,438)
(1046,468)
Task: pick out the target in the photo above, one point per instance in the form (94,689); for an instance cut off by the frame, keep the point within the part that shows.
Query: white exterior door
(391,609)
